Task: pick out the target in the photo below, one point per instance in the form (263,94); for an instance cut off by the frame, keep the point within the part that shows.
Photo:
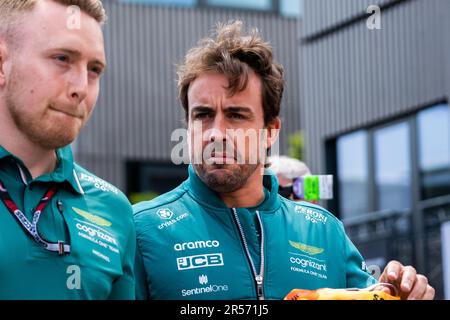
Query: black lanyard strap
(31,227)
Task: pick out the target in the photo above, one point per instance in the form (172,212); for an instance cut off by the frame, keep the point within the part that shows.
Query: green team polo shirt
(88,213)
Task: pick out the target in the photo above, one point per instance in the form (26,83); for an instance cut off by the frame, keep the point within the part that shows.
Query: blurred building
(375,114)
(128,140)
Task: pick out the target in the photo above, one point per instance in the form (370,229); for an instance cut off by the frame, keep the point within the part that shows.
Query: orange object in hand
(369,293)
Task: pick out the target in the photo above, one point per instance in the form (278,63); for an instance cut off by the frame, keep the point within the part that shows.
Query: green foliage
(136,197)
(296,145)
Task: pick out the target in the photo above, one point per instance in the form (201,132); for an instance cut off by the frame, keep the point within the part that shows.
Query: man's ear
(273,132)
(3,55)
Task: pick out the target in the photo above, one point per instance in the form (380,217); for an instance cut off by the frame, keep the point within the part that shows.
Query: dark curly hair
(233,53)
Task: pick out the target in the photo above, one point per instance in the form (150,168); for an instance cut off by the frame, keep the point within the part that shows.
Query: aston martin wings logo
(92,218)
(305,248)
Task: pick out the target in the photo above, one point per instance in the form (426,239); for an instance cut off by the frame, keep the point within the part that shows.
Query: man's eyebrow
(201,109)
(78,54)
(239,109)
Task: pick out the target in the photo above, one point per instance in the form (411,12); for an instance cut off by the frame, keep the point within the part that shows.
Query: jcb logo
(200,261)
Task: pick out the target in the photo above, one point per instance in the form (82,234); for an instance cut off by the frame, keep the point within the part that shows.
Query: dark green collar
(4,153)
(202,193)
(63,174)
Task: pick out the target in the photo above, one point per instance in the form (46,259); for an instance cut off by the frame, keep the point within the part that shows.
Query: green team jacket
(87,213)
(192,246)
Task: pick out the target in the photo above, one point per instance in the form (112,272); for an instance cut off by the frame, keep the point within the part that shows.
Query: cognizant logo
(308,263)
(196,245)
(96,233)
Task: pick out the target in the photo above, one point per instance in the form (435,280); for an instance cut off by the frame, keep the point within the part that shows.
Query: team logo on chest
(306,248)
(165,213)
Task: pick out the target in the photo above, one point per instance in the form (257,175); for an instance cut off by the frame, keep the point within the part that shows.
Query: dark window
(384,181)
(408,167)
(287,8)
(247,4)
(352,166)
(434,151)
(183,3)
(393,167)
(291,8)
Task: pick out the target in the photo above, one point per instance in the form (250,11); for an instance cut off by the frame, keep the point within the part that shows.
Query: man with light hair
(64,233)
(287,168)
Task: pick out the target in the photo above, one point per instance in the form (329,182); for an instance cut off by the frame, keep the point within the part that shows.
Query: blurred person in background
(288,169)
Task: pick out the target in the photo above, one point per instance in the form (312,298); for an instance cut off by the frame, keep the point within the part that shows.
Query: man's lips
(70,114)
(222,156)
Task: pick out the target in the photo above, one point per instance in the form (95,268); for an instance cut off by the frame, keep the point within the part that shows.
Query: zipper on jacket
(259,278)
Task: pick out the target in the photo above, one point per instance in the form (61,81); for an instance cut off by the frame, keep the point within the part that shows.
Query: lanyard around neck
(31,227)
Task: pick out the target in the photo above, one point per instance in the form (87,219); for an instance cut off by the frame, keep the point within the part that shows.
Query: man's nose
(218,129)
(78,85)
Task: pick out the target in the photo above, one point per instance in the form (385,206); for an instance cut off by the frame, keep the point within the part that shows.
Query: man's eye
(61,58)
(97,70)
(237,116)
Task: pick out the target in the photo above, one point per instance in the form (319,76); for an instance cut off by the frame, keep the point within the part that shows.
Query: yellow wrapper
(339,294)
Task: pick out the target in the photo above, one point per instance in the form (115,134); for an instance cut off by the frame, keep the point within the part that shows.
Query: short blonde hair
(233,52)
(11,9)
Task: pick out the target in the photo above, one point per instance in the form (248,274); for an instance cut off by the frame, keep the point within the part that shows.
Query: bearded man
(225,232)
